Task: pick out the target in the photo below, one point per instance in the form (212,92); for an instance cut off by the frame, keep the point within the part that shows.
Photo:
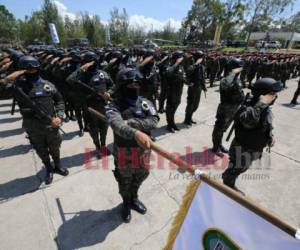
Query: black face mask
(32,77)
(131,95)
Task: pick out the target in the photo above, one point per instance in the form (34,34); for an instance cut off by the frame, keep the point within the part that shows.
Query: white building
(282,36)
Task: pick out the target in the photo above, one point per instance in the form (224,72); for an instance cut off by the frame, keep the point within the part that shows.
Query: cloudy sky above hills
(153,14)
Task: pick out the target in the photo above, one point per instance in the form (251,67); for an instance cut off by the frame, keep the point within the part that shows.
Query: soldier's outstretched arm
(7,84)
(117,123)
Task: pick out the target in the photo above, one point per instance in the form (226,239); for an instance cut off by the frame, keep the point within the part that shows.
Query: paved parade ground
(81,211)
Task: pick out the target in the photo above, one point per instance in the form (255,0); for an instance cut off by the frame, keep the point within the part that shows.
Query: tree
(260,11)
(234,12)
(8,25)
(33,28)
(50,15)
(119,26)
(169,32)
(205,15)
(93,29)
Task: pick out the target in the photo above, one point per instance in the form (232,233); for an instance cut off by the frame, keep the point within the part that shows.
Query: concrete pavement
(81,211)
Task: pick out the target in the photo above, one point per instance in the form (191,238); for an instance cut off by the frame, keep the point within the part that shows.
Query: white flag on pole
(214,221)
(53,32)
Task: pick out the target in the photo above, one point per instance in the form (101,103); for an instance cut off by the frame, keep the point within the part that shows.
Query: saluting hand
(13,76)
(179,60)
(87,65)
(56,122)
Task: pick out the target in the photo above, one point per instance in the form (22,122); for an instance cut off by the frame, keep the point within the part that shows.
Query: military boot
(170,129)
(224,150)
(138,206)
(187,121)
(126,212)
(49,173)
(229,181)
(193,122)
(175,127)
(294,102)
(58,169)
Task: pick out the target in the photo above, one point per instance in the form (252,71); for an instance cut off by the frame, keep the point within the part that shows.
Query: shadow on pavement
(73,160)
(204,159)
(16,150)
(70,135)
(88,228)
(5,105)
(291,106)
(163,130)
(12,132)
(21,186)
(10,120)
(4,112)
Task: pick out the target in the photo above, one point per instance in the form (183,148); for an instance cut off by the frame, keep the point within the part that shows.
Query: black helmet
(124,78)
(198,54)
(264,86)
(235,63)
(164,53)
(142,52)
(150,52)
(28,62)
(75,54)
(59,52)
(117,54)
(129,75)
(16,55)
(89,57)
(178,54)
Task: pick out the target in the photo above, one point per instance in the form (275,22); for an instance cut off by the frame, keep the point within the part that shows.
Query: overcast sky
(145,13)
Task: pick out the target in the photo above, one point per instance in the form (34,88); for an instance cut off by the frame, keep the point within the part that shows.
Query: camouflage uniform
(163,84)
(231,97)
(196,77)
(45,139)
(78,96)
(253,132)
(130,159)
(100,83)
(176,78)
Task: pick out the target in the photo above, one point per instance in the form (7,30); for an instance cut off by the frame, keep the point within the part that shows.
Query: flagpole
(246,202)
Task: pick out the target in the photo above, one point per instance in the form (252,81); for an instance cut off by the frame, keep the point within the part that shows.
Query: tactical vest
(41,92)
(231,90)
(255,138)
(137,112)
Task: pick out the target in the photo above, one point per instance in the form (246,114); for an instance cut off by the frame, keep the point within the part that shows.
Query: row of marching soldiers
(51,86)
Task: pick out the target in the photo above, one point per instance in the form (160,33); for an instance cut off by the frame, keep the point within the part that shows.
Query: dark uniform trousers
(98,131)
(131,170)
(173,101)
(240,159)
(193,100)
(297,93)
(46,141)
(225,115)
